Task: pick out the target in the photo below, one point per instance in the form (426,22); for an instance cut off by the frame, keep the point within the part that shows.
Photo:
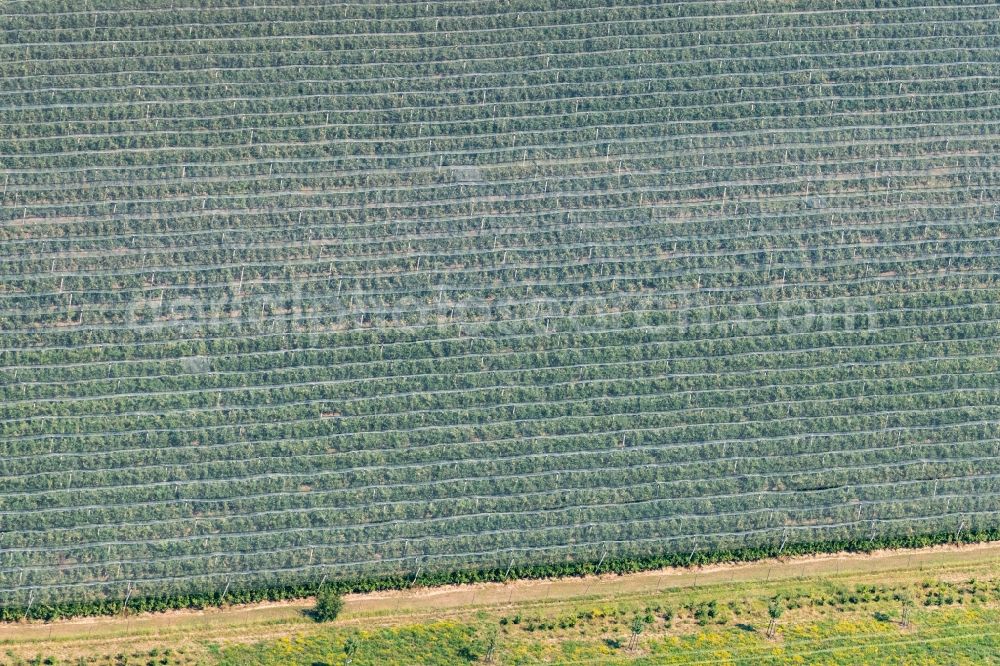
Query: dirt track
(272,620)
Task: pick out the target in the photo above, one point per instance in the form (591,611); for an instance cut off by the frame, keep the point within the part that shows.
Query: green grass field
(951,636)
